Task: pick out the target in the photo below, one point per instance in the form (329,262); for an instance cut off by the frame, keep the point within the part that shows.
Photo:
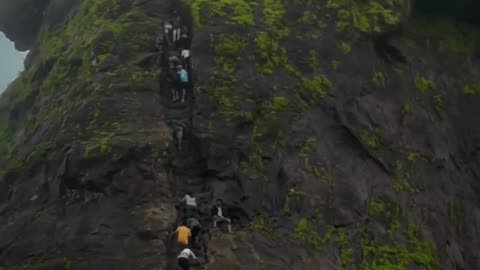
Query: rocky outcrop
(341,134)
(21,21)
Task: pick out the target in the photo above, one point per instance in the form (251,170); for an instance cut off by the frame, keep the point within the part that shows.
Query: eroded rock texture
(341,135)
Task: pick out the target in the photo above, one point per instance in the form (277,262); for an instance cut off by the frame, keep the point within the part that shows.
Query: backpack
(184,76)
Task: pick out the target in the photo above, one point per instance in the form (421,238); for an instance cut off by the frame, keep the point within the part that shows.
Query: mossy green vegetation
(398,255)
(372,138)
(274,16)
(408,108)
(99,42)
(344,47)
(316,89)
(346,256)
(402,177)
(235,12)
(424,85)
(254,166)
(306,232)
(270,55)
(471,90)
(368,16)
(308,147)
(263,224)
(313,60)
(379,79)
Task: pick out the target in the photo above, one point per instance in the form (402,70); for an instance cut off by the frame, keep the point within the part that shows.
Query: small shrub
(372,138)
(229,46)
(263,225)
(346,256)
(402,185)
(379,79)
(317,87)
(313,59)
(344,47)
(424,86)
(408,109)
(308,147)
(471,90)
(376,208)
(280,103)
(306,233)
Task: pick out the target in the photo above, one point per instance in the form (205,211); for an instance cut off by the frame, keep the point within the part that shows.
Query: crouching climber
(178,128)
(195,227)
(183,235)
(183,258)
(218,212)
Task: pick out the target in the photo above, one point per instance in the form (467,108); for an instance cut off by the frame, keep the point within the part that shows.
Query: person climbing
(173,60)
(159,42)
(175,94)
(195,228)
(190,205)
(183,81)
(218,212)
(168,28)
(178,128)
(183,258)
(186,59)
(183,235)
(177,31)
(184,41)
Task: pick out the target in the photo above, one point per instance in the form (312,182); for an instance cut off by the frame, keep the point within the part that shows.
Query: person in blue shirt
(184,80)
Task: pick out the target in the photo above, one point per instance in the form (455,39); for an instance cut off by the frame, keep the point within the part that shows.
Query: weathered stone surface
(338,135)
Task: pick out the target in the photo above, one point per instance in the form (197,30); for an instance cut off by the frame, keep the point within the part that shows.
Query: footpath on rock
(178,100)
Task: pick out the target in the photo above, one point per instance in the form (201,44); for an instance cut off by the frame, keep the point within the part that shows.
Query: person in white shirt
(191,205)
(168,28)
(183,258)
(176,35)
(218,212)
(186,59)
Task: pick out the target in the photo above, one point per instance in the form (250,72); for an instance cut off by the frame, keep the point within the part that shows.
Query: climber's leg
(179,135)
(174,94)
(184,92)
(184,263)
(215,220)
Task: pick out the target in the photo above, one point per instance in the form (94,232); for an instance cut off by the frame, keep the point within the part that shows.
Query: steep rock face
(350,129)
(84,145)
(342,134)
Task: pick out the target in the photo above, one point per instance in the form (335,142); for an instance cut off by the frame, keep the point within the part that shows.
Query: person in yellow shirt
(183,234)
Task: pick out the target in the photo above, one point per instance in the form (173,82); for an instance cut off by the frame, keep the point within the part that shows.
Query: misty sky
(11,62)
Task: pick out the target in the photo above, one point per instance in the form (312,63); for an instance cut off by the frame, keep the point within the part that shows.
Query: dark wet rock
(368,156)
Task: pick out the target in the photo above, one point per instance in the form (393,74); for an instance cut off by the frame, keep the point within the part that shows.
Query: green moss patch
(424,85)
(367,16)
(372,138)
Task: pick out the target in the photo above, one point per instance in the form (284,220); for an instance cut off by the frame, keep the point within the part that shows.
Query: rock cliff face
(341,134)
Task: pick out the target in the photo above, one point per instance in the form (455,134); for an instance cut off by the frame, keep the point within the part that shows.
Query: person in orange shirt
(183,234)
